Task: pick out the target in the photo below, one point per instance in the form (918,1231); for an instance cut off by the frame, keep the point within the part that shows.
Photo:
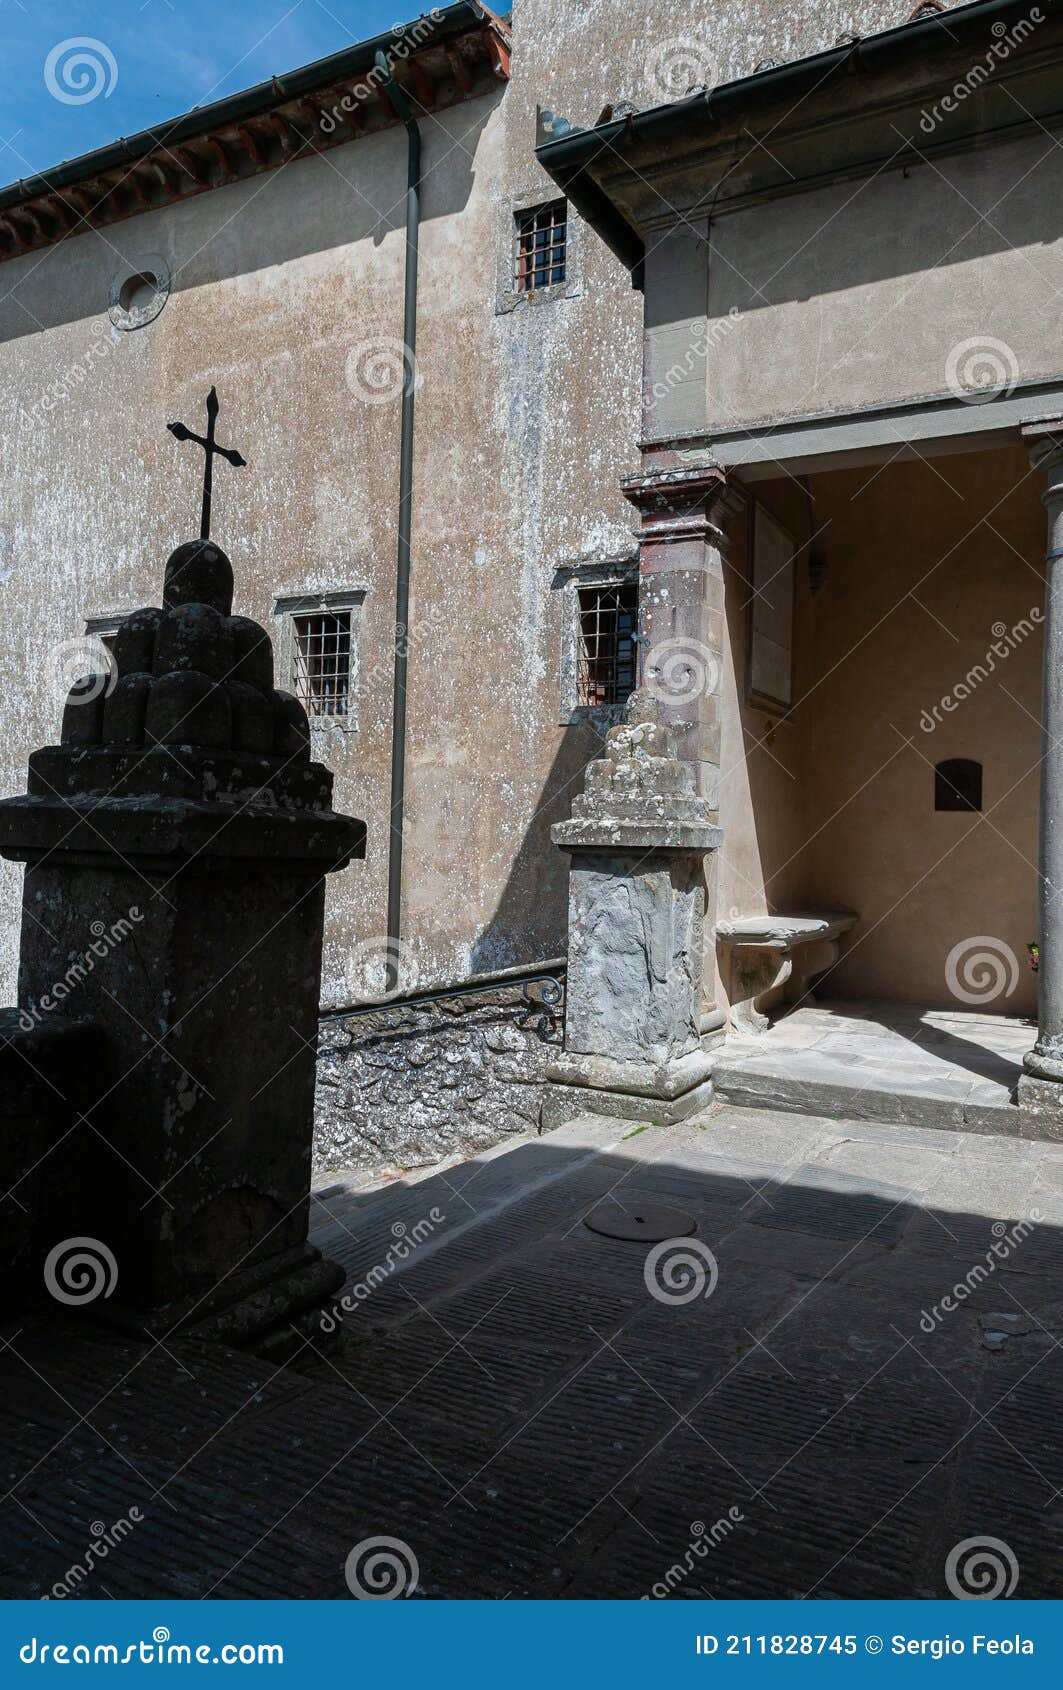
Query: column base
(1045,1060)
(1041,1107)
(579,1084)
(255,1308)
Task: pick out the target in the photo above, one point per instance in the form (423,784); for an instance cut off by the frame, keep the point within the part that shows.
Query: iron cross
(180,432)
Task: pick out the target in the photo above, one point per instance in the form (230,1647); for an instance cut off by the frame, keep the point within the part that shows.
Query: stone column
(683,630)
(638,839)
(176,845)
(1041,1086)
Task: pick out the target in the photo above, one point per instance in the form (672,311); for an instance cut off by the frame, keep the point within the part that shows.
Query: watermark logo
(80,1270)
(381,370)
(1005,1239)
(104,940)
(980,969)
(1004,44)
(79,70)
(379,1569)
(704,338)
(703,1539)
(104,339)
(1005,641)
(380,969)
(410,36)
(407,1241)
(679,66)
(980,369)
(680,1270)
(680,670)
(104,1539)
(981,1569)
(84,670)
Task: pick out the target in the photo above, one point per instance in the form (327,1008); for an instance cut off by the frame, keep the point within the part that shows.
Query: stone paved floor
(884,1061)
(521,1411)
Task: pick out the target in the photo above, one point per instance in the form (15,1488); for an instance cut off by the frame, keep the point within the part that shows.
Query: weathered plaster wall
(275,281)
(650,53)
(526,420)
(837,313)
(924,568)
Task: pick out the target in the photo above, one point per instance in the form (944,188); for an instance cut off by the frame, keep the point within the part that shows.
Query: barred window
(608,626)
(323,662)
(540,246)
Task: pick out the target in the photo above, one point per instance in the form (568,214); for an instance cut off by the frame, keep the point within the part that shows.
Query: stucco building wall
(526,420)
(858,294)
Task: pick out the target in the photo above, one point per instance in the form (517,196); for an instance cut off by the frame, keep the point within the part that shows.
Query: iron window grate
(608,625)
(541,246)
(323,662)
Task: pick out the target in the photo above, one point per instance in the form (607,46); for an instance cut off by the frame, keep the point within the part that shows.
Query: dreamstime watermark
(379,969)
(407,1240)
(703,1539)
(680,1270)
(1005,43)
(981,1569)
(435,619)
(680,66)
(1007,1239)
(705,337)
(1005,641)
(63,386)
(381,369)
(411,36)
(980,969)
(680,670)
(379,1569)
(84,670)
(104,1539)
(80,69)
(159,1651)
(79,1271)
(980,369)
(105,939)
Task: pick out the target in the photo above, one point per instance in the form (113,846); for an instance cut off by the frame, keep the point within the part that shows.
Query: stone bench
(769,959)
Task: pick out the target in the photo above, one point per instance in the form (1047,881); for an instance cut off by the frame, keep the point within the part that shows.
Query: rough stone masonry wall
(410,1084)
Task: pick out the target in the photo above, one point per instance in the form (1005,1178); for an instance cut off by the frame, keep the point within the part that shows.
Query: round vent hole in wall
(138,292)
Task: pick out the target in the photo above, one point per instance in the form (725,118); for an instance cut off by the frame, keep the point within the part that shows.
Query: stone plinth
(638,840)
(176,846)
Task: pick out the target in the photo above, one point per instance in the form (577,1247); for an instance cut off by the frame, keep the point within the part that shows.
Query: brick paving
(517,1409)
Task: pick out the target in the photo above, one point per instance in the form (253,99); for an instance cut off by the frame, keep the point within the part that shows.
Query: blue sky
(149,60)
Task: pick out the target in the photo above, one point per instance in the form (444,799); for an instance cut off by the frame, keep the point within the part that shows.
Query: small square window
(958,784)
(322,667)
(606,655)
(540,247)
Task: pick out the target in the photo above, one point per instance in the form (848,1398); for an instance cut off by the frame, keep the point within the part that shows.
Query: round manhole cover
(651,1223)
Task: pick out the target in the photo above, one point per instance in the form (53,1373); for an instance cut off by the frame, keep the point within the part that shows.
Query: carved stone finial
(190,674)
(642,706)
(641,777)
(199,573)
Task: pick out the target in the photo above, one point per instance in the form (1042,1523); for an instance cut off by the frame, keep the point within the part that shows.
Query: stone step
(806,1082)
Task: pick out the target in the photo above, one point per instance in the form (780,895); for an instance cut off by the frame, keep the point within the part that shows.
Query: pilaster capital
(1043,438)
(680,503)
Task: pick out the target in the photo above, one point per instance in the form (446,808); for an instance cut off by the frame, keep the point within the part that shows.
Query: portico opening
(917,632)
